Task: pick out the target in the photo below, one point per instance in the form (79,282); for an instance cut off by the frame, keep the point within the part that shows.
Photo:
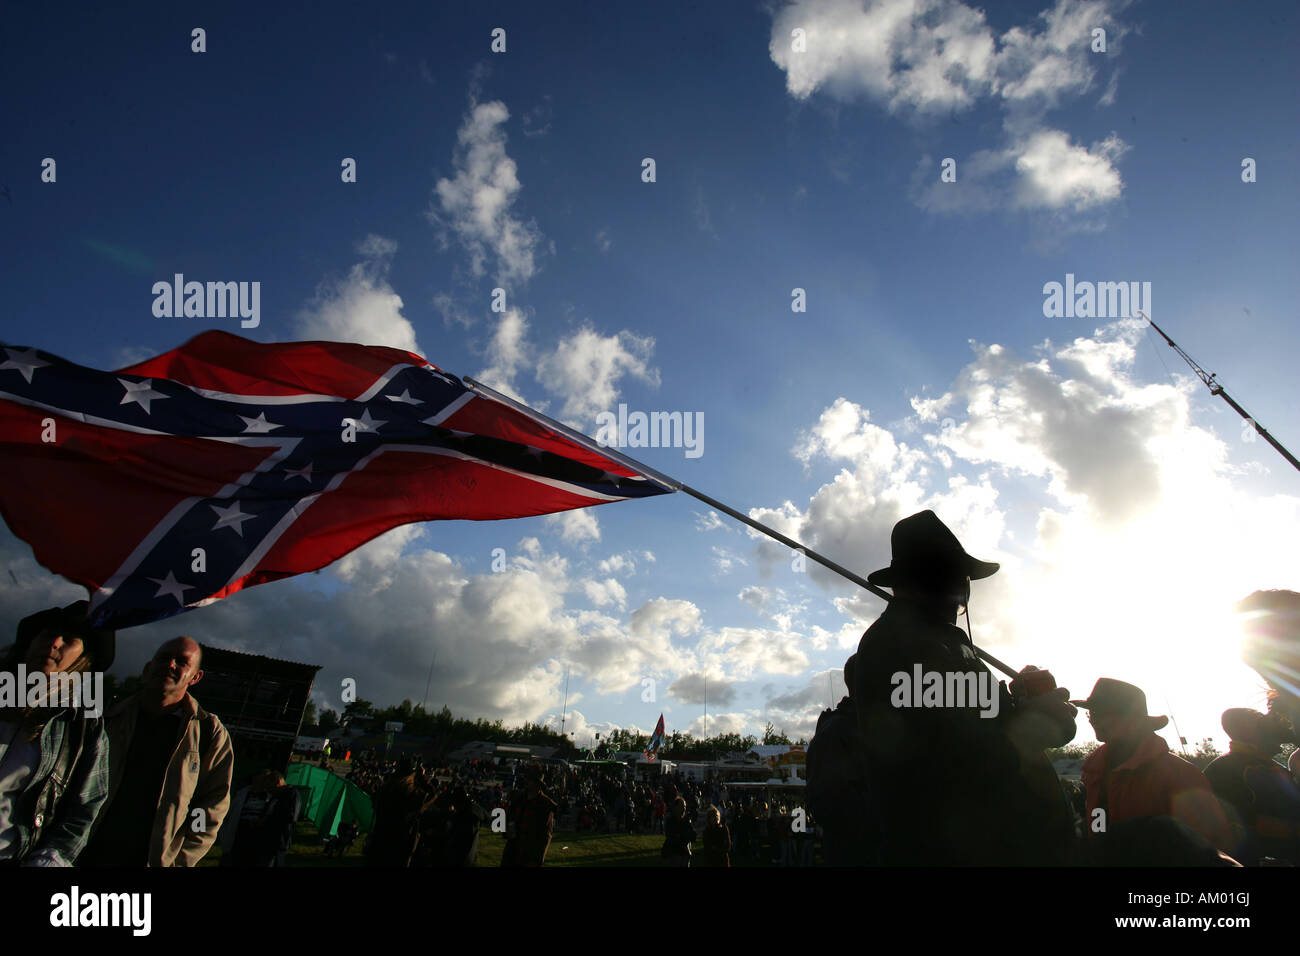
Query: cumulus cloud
(715,724)
(361,307)
(476,204)
(928,57)
(1056,174)
(709,521)
(1114,483)
(609,591)
(584,370)
(698,688)
(1042,171)
(507,353)
(796,711)
(934,56)
(578,526)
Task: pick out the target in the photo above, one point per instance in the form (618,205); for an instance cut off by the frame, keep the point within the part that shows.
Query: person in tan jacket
(170,765)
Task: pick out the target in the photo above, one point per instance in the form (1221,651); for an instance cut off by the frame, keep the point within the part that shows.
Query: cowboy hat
(99,644)
(923,549)
(1110,696)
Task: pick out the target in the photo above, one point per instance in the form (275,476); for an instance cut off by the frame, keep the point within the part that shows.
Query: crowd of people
(703,823)
(951,783)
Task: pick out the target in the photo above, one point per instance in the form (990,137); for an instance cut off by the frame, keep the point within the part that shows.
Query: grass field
(567,849)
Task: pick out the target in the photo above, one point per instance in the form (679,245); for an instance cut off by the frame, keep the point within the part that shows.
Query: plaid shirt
(56,810)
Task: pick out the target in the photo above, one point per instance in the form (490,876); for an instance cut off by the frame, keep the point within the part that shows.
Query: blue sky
(1124,501)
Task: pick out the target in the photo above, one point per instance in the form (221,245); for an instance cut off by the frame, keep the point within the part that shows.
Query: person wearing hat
(1259,795)
(1134,775)
(53,760)
(952,785)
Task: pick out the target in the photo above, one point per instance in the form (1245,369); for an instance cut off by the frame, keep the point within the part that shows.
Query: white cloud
(934,56)
(602,593)
(716,724)
(584,369)
(1040,171)
(724,559)
(577,526)
(624,563)
(926,57)
(363,307)
(1056,174)
(507,353)
(476,204)
(709,521)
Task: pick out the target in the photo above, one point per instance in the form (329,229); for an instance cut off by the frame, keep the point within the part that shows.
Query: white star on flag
(230,517)
(169,585)
(142,393)
(258,425)
(367,424)
(25,361)
(405,398)
(303,472)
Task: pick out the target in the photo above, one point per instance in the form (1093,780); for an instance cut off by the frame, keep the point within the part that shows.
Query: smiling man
(169,770)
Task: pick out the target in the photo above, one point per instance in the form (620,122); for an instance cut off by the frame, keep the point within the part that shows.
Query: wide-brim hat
(1118,697)
(923,549)
(100,644)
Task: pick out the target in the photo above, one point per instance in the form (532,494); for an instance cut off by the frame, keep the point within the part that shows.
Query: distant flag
(227,463)
(656,742)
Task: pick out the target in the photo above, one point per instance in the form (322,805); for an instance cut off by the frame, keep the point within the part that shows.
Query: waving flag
(227,463)
(656,742)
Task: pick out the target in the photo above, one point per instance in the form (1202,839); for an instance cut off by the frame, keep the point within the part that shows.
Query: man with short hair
(170,765)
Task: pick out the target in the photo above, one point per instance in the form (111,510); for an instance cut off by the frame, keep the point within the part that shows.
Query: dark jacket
(948,786)
(715,846)
(678,836)
(534,819)
(837,787)
(1262,802)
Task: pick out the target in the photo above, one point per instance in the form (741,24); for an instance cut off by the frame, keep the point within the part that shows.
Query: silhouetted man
(953,780)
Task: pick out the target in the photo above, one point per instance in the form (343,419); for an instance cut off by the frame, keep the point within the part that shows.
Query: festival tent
(328,800)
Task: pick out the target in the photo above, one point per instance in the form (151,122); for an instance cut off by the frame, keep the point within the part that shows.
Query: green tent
(328,799)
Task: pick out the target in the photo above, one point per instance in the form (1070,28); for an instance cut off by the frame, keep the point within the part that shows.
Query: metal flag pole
(1211,382)
(672,484)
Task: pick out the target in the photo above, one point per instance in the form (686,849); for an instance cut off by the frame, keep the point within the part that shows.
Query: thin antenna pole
(425,706)
(564,712)
(672,484)
(1217,389)
(1182,741)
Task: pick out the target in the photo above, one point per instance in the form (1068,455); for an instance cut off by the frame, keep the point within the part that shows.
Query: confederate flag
(227,463)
